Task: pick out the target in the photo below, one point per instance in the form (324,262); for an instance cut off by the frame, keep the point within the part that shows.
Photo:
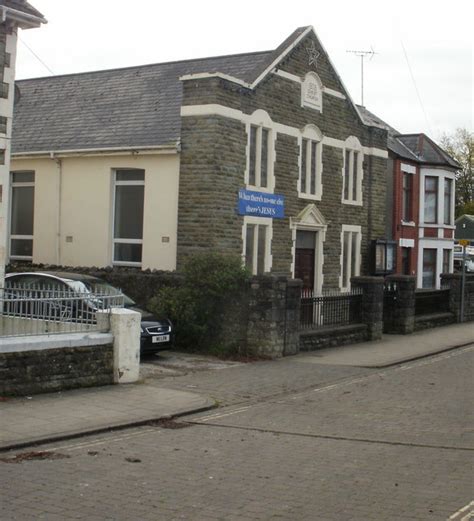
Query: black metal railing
(429,301)
(331,308)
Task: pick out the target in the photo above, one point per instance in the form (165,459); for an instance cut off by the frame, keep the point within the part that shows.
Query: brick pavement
(221,473)
(255,381)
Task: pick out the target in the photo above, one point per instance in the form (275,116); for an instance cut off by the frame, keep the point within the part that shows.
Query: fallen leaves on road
(170,423)
(34,456)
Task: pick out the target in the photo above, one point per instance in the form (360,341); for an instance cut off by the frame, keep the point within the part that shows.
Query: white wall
(6,110)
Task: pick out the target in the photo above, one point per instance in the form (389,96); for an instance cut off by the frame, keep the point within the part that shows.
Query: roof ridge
(145,65)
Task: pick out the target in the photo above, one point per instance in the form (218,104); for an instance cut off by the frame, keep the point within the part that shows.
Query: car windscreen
(100,287)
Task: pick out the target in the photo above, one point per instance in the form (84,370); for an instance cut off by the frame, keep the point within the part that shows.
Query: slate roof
(415,147)
(22,5)
(427,150)
(120,108)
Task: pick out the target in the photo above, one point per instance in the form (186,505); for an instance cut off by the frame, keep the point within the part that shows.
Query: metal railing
(331,308)
(28,311)
(429,301)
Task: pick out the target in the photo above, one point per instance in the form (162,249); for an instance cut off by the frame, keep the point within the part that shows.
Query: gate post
(454,282)
(401,314)
(273,317)
(372,304)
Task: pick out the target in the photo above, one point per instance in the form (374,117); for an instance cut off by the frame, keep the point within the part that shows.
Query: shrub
(212,288)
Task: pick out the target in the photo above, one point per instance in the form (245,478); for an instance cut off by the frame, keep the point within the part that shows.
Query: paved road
(388,445)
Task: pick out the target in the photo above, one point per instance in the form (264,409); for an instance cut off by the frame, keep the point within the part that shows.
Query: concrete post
(125,327)
(399,312)
(372,304)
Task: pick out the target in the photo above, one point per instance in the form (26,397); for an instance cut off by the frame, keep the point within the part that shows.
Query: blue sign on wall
(261,204)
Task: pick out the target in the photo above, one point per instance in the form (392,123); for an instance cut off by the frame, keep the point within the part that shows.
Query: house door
(305,258)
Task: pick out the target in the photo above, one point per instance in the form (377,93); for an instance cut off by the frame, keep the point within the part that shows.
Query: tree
(460,145)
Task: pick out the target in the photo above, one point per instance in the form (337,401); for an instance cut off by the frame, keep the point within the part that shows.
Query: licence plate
(159,339)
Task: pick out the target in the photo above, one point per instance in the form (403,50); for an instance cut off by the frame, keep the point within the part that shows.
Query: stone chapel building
(262,155)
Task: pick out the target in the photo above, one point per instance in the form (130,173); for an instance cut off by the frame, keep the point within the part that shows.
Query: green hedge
(140,285)
(208,307)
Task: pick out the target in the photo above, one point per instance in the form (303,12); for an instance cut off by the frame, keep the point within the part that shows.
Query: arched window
(311,166)
(260,152)
(352,172)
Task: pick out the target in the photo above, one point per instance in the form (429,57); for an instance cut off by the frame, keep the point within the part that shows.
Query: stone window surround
(310,220)
(357,230)
(313,134)
(261,221)
(351,145)
(312,78)
(261,119)
(116,183)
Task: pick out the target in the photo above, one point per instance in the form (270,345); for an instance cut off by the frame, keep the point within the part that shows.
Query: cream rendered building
(77,203)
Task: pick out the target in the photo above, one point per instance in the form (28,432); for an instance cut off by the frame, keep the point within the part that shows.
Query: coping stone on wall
(38,343)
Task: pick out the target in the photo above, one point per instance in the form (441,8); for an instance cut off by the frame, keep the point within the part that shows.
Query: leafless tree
(460,145)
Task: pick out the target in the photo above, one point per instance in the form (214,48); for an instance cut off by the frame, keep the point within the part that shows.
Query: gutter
(172,148)
(25,18)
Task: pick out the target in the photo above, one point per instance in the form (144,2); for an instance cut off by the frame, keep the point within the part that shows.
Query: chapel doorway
(305,258)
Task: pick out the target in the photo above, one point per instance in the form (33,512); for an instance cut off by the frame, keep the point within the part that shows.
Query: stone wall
(48,370)
(454,282)
(313,340)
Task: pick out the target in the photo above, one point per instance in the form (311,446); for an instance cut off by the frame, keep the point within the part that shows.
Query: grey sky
(101,34)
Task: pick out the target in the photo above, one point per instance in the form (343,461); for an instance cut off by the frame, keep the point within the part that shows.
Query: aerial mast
(362,55)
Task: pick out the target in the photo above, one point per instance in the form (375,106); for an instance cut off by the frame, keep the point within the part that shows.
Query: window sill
(408,223)
(310,197)
(131,264)
(437,225)
(352,203)
(262,189)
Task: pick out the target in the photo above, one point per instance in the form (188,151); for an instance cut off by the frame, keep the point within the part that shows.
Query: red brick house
(420,205)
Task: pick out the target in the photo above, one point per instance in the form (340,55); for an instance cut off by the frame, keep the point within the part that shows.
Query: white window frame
(352,229)
(10,235)
(312,134)
(440,246)
(261,120)
(352,145)
(268,259)
(115,241)
(441,175)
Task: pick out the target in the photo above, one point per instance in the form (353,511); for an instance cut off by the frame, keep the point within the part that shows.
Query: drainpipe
(59,166)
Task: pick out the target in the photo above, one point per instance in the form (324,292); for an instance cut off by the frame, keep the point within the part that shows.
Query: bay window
(448,196)
(431,200)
